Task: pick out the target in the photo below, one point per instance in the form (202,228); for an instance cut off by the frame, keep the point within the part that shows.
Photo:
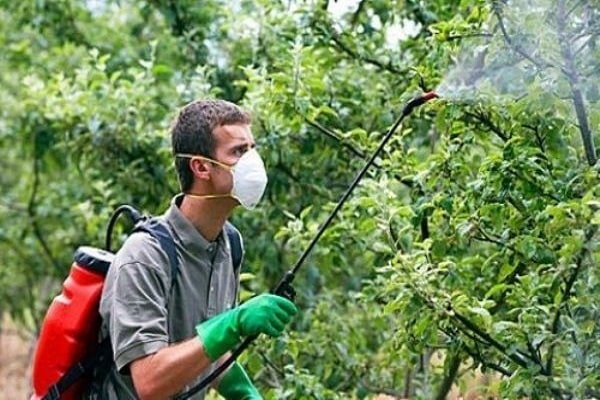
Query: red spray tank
(72,322)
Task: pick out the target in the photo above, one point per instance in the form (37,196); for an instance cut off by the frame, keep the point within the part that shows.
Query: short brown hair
(192,132)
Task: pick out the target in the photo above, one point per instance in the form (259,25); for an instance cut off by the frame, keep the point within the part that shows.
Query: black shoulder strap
(160,232)
(83,367)
(235,240)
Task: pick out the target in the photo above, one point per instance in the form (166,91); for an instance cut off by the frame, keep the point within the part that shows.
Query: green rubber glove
(266,313)
(236,385)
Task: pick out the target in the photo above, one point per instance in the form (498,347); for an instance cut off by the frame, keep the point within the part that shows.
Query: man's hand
(266,313)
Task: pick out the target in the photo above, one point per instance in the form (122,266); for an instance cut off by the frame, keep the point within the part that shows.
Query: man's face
(231,142)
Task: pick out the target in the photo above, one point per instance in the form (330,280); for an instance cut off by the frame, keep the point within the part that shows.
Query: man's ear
(200,168)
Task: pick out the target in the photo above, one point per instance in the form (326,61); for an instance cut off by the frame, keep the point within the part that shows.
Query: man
(167,331)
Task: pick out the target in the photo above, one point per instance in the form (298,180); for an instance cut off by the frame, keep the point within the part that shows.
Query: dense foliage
(471,246)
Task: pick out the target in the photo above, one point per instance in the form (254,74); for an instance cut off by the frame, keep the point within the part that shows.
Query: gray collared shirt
(143,310)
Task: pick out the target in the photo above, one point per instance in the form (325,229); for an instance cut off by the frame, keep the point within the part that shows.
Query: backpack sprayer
(68,350)
(284,287)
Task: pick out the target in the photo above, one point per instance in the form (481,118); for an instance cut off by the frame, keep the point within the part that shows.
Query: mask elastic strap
(208,196)
(192,156)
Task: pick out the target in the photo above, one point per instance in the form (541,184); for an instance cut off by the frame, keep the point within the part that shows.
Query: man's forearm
(169,370)
(166,372)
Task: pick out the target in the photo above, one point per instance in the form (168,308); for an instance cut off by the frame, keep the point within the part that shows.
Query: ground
(15,351)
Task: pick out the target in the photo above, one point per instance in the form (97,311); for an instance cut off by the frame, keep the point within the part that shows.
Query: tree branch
(470,325)
(31,211)
(584,44)
(540,141)
(359,10)
(30,285)
(181,27)
(572,75)
(467,326)
(575,6)
(470,35)
(470,329)
(449,376)
(486,121)
(357,152)
(390,392)
(356,56)
(337,138)
(539,63)
(13,207)
(17,249)
(476,353)
(486,237)
(535,353)
(272,365)
(543,192)
(591,232)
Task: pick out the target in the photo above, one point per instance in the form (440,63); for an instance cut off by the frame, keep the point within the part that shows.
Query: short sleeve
(134,300)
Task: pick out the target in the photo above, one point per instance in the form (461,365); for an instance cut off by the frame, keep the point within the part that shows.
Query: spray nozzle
(417,101)
(430,95)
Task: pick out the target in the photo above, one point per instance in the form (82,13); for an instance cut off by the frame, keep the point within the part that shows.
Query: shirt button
(212,288)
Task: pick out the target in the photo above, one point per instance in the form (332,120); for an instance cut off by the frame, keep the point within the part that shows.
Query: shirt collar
(185,231)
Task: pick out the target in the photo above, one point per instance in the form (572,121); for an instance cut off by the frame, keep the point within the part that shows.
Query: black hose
(134,215)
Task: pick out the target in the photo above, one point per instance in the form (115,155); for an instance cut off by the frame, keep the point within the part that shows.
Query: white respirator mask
(249,178)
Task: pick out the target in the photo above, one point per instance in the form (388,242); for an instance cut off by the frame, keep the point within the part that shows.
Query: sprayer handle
(284,288)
